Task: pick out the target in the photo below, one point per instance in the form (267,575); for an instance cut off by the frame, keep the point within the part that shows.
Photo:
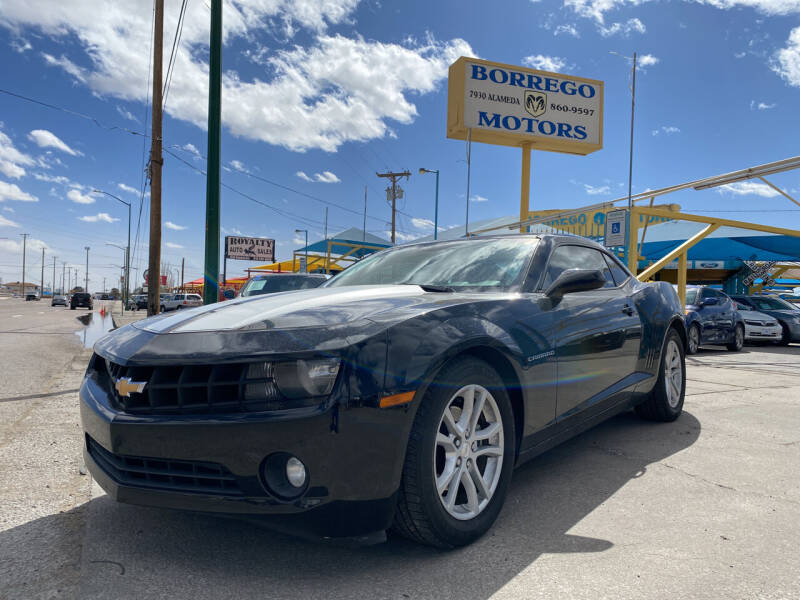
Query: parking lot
(705,507)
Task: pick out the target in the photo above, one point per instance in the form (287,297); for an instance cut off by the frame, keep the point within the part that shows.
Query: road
(706,507)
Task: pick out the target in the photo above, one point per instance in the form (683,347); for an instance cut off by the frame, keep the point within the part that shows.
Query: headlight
(276,382)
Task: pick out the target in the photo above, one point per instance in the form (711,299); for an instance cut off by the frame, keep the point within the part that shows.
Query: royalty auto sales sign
(506,105)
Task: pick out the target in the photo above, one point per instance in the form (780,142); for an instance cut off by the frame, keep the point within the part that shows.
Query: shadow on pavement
(135,552)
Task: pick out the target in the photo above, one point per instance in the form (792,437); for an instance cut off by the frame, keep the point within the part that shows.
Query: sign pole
(211,268)
(525,187)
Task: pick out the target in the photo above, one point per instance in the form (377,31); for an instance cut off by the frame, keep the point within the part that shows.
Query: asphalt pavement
(705,507)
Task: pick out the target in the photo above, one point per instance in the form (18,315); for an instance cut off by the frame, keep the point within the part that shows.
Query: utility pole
(183,261)
(211,267)
(41,286)
(156,162)
(364,231)
(53,289)
(394,177)
(86,282)
(104,284)
(24,248)
(326,222)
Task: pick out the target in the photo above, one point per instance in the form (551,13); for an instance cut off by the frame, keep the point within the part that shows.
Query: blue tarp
(349,236)
(726,243)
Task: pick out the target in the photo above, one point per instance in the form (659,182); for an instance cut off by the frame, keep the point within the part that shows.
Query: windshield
(762,303)
(464,264)
(279,283)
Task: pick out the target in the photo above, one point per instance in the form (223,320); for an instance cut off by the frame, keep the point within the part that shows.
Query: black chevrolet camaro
(400,394)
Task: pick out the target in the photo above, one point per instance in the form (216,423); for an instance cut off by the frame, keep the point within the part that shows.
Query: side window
(619,272)
(707,293)
(576,257)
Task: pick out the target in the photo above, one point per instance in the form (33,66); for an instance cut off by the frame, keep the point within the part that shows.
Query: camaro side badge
(125,386)
(536,357)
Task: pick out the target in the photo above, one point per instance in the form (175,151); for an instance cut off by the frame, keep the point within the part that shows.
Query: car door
(726,317)
(597,333)
(707,316)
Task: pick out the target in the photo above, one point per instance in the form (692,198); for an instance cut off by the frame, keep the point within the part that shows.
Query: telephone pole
(53,287)
(24,247)
(41,286)
(86,281)
(183,262)
(156,162)
(394,177)
(211,265)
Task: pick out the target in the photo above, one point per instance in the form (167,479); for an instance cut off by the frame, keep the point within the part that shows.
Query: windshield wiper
(435,288)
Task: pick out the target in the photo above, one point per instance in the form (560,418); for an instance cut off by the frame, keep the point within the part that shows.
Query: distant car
(137,302)
(759,326)
(105,297)
(279,282)
(33,296)
(59,300)
(712,318)
(787,314)
(80,299)
(179,301)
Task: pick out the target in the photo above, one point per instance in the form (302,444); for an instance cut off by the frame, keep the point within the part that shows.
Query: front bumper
(753,333)
(353,457)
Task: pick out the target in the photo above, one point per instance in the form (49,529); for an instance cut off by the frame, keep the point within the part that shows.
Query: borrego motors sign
(512,106)
(247,248)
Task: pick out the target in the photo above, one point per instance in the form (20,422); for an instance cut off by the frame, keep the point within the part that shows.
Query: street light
(128,251)
(306,232)
(125,269)
(436,204)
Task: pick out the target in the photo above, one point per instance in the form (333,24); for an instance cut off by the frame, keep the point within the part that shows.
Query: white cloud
(232,230)
(545,63)
(740,55)
(173,245)
(630,26)
(567,29)
(192,149)
(299,241)
(422,223)
(786,61)
(326,177)
(11,191)
(47,139)
(666,130)
(8,209)
(174,226)
(761,105)
(319,95)
(21,45)
(403,237)
(60,179)
(15,247)
(126,114)
(127,188)
(303,176)
(748,188)
(596,190)
(477,198)
(647,60)
(7,222)
(238,165)
(78,198)
(12,160)
(105,217)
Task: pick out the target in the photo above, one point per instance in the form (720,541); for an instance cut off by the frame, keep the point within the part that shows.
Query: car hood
(753,314)
(317,307)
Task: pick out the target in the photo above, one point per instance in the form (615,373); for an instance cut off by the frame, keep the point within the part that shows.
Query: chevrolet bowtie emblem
(125,387)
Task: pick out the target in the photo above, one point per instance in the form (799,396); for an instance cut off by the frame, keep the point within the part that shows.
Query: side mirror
(709,301)
(575,280)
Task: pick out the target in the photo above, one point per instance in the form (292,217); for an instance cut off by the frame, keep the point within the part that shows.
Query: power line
(176,42)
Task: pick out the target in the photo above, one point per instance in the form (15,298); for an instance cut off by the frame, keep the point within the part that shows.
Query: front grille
(164,474)
(191,389)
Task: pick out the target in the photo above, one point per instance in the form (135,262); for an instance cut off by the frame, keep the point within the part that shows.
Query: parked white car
(179,301)
(758,326)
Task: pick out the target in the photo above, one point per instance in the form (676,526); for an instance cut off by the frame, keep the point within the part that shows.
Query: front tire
(665,402)
(738,339)
(693,339)
(786,335)
(459,458)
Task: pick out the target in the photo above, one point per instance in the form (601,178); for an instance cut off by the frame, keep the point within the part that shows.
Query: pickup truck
(179,301)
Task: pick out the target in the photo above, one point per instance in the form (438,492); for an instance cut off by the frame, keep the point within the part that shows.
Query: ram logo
(535,102)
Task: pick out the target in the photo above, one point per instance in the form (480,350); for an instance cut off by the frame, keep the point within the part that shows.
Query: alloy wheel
(468,455)
(673,374)
(694,339)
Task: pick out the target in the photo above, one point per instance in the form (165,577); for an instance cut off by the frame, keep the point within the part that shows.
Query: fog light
(296,472)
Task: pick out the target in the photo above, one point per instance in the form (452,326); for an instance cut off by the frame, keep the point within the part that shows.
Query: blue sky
(319,95)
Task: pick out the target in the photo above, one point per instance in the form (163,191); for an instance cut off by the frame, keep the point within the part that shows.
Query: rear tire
(453,487)
(665,402)
(738,339)
(693,339)
(786,336)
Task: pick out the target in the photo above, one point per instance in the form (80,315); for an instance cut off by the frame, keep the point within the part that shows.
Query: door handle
(628,310)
